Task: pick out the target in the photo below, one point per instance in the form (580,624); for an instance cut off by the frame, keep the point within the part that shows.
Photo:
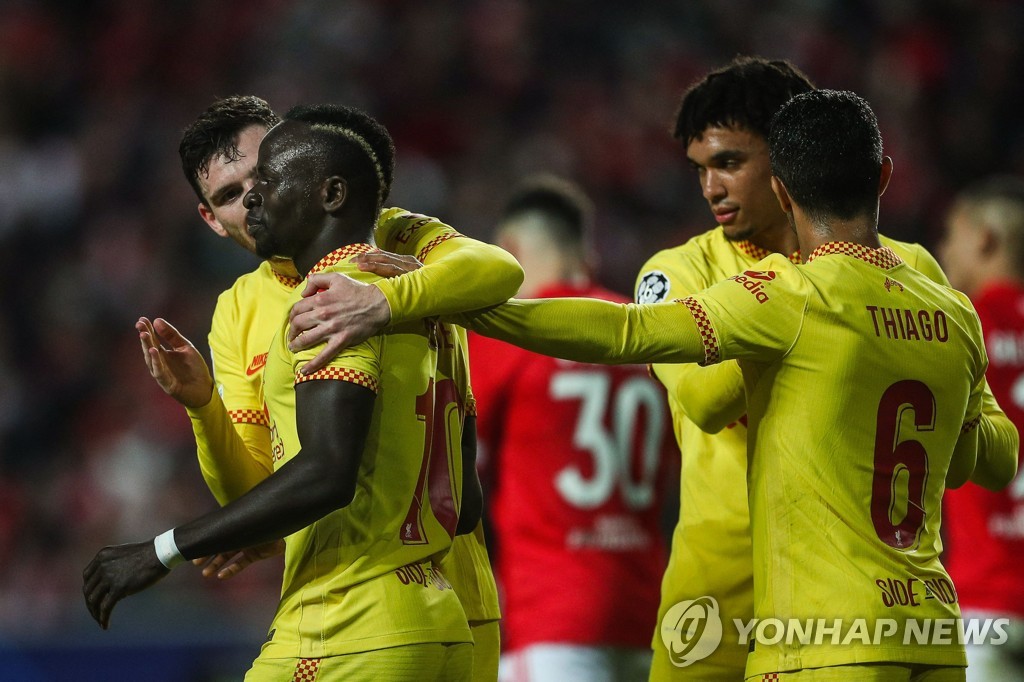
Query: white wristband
(166,551)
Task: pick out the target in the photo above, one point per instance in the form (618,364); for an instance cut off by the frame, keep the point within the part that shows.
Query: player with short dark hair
(725,98)
(214,134)
(232,433)
(857,423)
(711,554)
(363,156)
(804,159)
(723,120)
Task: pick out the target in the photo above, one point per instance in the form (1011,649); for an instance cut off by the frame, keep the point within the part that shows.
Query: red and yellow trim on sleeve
(882,257)
(258,417)
(712,351)
(352,376)
(439,239)
(970,424)
(471,407)
(306,670)
(338,255)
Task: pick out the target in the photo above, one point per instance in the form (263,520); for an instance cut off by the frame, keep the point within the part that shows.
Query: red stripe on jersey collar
(882,257)
(338,255)
(290,282)
(758,253)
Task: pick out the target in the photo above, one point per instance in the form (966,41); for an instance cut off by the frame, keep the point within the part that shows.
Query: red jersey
(577,456)
(986,529)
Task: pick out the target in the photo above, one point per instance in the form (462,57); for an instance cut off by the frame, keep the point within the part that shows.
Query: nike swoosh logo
(256,364)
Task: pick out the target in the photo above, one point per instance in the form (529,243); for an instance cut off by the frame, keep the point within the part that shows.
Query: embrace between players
(839,426)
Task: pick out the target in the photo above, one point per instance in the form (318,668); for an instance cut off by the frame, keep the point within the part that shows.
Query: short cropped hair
(745,93)
(358,143)
(567,210)
(826,149)
(215,133)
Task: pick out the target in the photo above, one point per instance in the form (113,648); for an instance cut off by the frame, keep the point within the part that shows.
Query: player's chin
(738,231)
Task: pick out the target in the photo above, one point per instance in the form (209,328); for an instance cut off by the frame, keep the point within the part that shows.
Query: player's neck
(284,267)
(781,239)
(334,235)
(861,230)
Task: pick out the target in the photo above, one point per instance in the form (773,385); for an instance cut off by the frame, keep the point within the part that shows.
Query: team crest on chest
(653,287)
(890,284)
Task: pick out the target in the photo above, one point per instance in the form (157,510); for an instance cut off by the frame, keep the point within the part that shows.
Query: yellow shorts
(412,663)
(868,672)
(486,649)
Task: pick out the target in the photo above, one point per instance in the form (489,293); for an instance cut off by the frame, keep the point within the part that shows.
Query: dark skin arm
(472,492)
(333,418)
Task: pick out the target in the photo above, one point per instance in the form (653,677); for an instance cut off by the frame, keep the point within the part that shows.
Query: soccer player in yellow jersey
(218,153)
(864,383)
(360,575)
(723,120)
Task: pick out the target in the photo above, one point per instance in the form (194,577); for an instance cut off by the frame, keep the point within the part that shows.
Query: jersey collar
(882,257)
(758,253)
(290,282)
(338,255)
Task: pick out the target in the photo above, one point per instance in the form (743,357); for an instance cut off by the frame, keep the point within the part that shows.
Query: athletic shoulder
(918,257)
(245,288)
(398,229)
(681,270)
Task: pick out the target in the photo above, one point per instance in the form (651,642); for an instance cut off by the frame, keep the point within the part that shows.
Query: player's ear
(886,174)
(989,240)
(782,194)
(333,192)
(206,213)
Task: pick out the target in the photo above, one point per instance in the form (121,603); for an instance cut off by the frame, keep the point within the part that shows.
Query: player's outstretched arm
(230,465)
(332,418)
(118,572)
(591,330)
(457,275)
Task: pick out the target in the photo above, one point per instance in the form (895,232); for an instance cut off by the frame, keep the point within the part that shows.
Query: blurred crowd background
(98,226)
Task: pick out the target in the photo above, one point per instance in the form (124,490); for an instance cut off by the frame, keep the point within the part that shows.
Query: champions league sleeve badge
(653,288)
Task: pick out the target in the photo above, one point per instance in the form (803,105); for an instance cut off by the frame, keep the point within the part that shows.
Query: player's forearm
(332,419)
(998,448)
(591,330)
(458,275)
(711,397)
(230,465)
(299,493)
(963,460)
